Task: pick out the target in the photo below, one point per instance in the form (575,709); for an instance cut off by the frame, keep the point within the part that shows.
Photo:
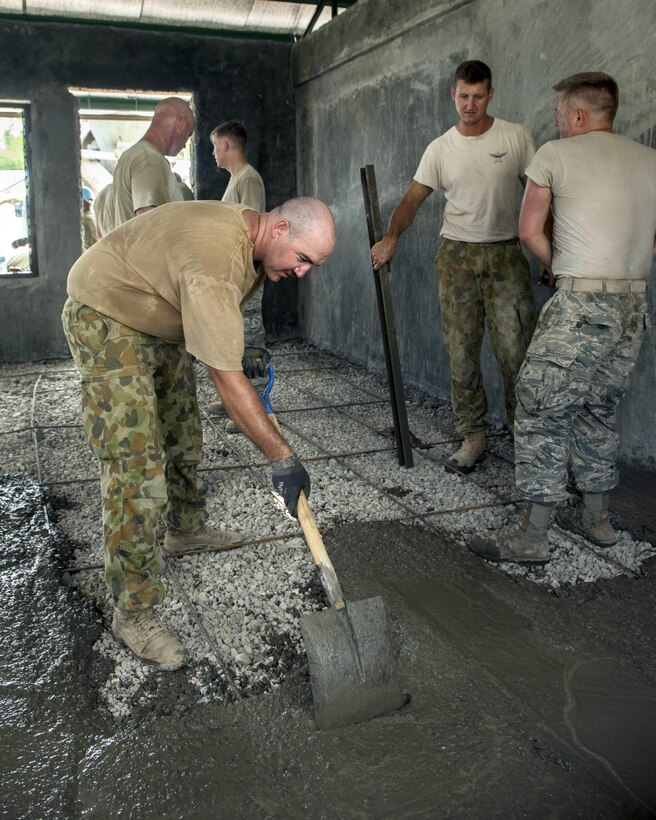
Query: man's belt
(602,285)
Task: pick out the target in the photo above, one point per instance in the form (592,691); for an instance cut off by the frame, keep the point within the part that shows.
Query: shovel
(352,668)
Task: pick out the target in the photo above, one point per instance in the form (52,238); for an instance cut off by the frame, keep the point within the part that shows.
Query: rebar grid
(408,513)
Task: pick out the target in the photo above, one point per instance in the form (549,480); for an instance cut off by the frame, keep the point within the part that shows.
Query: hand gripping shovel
(352,668)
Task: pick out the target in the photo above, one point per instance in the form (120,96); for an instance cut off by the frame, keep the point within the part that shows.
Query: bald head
(171,107)
(307,215)
(172,124)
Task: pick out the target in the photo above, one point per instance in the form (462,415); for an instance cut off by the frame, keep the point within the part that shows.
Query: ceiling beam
(342,4)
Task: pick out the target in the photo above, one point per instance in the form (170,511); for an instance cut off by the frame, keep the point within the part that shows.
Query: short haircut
(472,72)
(234,130)
(597,89)
(305,215)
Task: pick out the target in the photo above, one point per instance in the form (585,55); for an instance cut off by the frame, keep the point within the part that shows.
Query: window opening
(17,245)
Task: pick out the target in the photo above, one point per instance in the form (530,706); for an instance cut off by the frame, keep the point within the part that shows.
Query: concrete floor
(524,700)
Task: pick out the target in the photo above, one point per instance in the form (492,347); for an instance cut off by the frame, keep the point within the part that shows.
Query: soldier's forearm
(245,409)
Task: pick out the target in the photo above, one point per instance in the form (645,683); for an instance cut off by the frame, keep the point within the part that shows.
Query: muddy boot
(526,542)
(176,542)
(590,519)
(216,407)
(146,638)
(471,453)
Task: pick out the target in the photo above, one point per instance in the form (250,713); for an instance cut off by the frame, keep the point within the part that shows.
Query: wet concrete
(523,703)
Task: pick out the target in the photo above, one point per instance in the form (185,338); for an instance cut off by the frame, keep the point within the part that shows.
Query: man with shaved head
(143,178)
(142,301)
(599,188)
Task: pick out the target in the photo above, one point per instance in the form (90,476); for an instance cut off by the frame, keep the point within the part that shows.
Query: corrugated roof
(277,17)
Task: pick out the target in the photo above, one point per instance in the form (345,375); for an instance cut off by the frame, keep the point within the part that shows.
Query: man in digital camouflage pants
(601,188)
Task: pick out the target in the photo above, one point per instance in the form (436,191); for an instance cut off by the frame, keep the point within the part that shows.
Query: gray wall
(228,77)
(372,87)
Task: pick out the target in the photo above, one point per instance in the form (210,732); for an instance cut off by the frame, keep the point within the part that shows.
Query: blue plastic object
(264,396)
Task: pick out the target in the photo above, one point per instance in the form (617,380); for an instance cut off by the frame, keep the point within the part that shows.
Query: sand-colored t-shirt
(179,272)
(103,208)
(479,177)
(246,188)
(604,204)
(142,179)
(89,237)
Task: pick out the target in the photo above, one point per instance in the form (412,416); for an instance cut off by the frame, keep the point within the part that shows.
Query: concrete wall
(248,79)
(373,88)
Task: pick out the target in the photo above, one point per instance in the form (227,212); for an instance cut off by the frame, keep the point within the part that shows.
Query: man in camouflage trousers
(481,270)
(142,301)
(601,189)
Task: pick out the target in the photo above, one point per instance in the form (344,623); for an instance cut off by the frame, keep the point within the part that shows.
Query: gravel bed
(327,387)
(249,599)
(334,432)
(425,488)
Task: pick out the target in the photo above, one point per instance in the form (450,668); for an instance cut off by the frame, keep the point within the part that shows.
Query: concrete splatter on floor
(501,667)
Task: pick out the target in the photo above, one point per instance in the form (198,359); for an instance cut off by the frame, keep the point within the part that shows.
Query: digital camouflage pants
(253,323)
(478,282)
(140,416)
(576,371)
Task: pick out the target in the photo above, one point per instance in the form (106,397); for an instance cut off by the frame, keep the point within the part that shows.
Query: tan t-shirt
(142,179)
(180,272)
(479,177)
(89,238)
(104,210)
(246,188)
(604,204)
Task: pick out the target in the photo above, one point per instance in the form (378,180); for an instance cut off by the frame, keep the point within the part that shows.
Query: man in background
(104,208)
(143,178)
(481,270)
(245,187)
(89,236)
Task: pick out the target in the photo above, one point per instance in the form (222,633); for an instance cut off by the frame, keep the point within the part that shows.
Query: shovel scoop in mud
(352,668)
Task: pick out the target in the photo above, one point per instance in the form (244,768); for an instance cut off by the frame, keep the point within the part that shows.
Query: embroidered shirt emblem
(498,157)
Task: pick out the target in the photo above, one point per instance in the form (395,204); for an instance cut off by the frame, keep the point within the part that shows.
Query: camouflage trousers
(575,374)
(478,282)
(141,419)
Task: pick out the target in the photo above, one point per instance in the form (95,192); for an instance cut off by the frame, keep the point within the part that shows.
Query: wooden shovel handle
(315,543)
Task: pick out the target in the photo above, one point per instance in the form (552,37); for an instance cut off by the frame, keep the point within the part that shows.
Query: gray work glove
(254,362)
(289,477)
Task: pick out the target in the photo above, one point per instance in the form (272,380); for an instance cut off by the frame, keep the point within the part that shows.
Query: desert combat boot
(471,453)
(146,638)
(590,519)
(526,542)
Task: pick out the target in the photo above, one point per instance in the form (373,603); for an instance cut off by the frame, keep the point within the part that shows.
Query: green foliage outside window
(12,156)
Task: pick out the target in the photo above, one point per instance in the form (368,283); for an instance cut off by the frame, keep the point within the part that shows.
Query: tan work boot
(471,453)
(216,407)
(146,638)
(176,542)
(590,519)
(526,542)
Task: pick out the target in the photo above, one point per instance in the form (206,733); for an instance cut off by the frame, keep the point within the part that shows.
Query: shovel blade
(352,669)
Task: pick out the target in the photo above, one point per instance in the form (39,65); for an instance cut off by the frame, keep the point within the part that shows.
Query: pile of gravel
(238,611)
